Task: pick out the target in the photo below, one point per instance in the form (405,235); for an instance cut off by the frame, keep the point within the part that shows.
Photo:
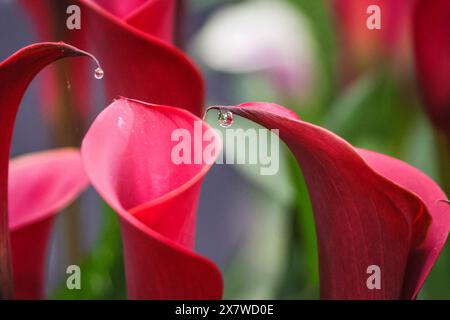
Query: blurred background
(311,56)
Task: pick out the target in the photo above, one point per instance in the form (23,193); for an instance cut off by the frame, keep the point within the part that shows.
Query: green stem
(302,265)
(305,221)
(68,132)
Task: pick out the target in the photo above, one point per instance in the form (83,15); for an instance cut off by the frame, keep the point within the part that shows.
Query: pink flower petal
(155,199)
(40,185)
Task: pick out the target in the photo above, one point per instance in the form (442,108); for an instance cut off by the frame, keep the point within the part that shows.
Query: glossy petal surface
(155,198)
(40,185)
(366,212)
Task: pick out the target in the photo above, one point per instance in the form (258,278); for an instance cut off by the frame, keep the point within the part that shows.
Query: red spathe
(155,198)
(369,209)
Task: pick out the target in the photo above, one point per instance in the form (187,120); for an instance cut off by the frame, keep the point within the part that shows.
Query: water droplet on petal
(225,119)
(98,74)
(120,122)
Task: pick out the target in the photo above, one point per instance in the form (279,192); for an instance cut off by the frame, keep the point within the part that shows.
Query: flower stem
(68,132)
(6,283)
(6,273)
(68,129)
(180,15)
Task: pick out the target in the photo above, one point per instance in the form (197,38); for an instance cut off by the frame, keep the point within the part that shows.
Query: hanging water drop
(225,119)
(99,73)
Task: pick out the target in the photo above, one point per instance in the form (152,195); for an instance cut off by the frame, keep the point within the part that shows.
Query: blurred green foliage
(102,272)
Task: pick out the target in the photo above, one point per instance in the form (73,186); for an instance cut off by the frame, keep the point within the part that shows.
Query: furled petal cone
(362,218)
(121,9)
(155,70)
(155,198)
(423,257)
(432,51)
(40,185)
(16,72)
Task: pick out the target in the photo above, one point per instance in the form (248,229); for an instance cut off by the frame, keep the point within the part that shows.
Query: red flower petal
(362,218)
(16,73)
(155,199)
(154,70)
(423,257)
(363,46)
(136,61)
(432,49)
(120,8)
(40,185)
(155,18)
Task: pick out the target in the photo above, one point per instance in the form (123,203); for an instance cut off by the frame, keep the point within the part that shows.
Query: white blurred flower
(261,35)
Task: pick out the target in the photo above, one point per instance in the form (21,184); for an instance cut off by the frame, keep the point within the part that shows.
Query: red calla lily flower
(121,32)
(40,185)
(155,199)
(432,51)
(16,72)
(369,209)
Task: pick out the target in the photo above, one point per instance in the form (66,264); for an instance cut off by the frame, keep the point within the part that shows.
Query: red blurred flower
(362,47)
(432,49)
